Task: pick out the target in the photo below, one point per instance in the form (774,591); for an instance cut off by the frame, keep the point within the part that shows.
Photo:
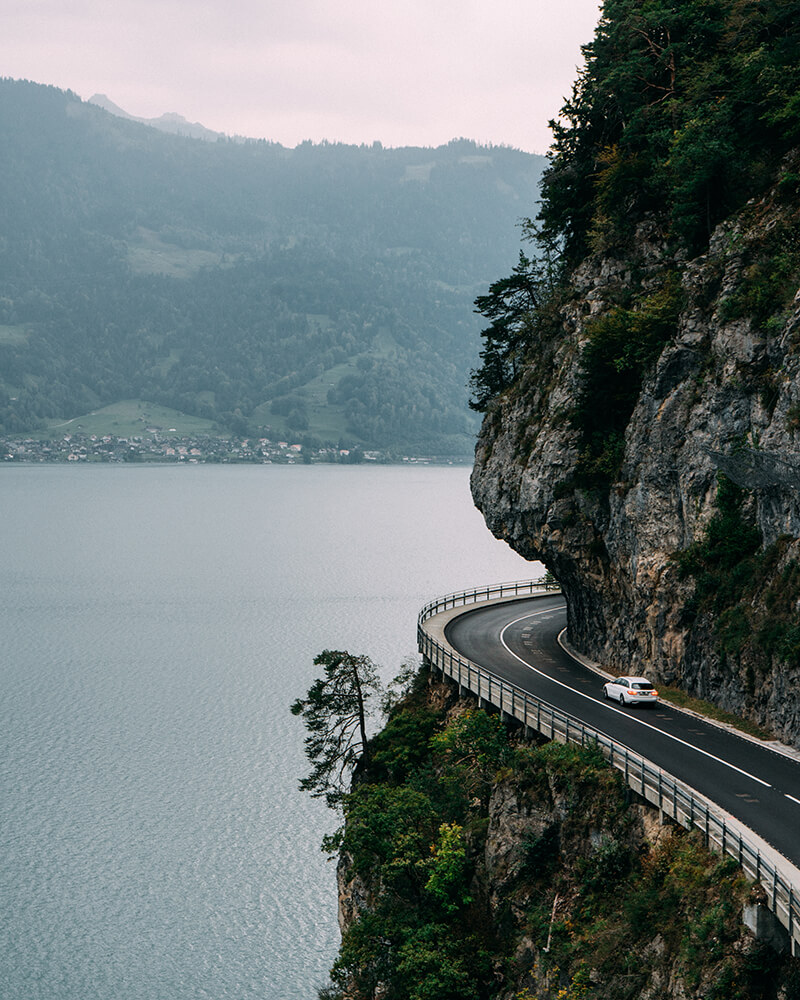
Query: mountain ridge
(322,293)
(170,121)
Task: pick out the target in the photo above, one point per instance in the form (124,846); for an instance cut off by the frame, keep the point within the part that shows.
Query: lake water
(156,624)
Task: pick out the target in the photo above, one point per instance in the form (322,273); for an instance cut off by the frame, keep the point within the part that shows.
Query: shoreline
(164,449)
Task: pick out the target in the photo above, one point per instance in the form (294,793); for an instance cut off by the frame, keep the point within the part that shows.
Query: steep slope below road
(477,865)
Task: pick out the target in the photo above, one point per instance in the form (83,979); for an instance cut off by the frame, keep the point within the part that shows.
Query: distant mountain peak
(170,121)
(105,102)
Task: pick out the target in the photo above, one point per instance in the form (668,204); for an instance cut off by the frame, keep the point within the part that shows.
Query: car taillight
(631,692)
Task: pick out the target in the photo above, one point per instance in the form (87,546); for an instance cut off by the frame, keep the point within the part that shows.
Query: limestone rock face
(723,396)
(355,894)
(513,822)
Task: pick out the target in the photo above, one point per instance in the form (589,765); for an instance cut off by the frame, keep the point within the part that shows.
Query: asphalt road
(518,641)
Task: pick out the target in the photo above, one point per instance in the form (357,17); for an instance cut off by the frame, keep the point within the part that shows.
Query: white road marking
(788,796)
(640,722)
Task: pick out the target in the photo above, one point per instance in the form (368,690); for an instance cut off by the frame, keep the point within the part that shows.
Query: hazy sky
(405,72)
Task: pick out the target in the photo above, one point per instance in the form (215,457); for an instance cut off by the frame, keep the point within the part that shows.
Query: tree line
(215,277)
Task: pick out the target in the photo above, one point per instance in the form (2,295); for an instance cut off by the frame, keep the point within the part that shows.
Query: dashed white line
(639,722)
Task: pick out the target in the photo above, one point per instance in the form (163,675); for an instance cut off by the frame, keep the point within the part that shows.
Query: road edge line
(775,745)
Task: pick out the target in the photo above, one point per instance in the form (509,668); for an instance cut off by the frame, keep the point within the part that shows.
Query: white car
(631,691)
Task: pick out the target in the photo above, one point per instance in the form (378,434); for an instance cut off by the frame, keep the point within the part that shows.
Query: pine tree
(335,713)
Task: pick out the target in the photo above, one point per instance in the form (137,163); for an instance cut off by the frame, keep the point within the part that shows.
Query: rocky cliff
(660,576)
(546,880)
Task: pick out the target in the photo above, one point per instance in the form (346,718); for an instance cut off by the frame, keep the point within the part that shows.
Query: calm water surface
(156,624)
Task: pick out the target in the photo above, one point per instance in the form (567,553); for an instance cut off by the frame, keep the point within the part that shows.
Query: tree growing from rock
(335,711)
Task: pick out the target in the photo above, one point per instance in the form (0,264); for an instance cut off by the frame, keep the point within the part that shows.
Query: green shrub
(721,562)
(769,282)
(540,853)
(471,750)
(403,744)
(433,965)
(607,866)
(447,869)
(620,348)
(754,606)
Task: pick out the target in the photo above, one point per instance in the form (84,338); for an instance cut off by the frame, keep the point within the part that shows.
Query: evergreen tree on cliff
(335,711)
(679,115)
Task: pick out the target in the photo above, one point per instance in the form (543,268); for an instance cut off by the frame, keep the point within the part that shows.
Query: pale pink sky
(405,72)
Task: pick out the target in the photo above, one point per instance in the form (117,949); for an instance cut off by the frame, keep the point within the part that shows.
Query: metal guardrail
(672,797)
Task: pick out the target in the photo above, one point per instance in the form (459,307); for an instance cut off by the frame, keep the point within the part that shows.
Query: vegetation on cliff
(335,713)
(478,865)
(680,114)
(748,594)
(668,351)
(621,346)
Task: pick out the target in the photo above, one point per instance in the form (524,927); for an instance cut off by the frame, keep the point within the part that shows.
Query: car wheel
(621,698)
(606,695)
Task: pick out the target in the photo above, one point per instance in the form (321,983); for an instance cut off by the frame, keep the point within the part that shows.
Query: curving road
(518,641)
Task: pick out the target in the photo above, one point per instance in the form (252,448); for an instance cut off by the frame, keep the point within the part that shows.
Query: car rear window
(642,686)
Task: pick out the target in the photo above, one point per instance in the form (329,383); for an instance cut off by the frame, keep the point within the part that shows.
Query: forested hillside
(324,291)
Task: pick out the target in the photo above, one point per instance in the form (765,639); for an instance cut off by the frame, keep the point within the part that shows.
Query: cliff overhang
(625,518)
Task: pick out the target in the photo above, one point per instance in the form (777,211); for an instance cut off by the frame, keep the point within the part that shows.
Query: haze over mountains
(322,293)
(170,121)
